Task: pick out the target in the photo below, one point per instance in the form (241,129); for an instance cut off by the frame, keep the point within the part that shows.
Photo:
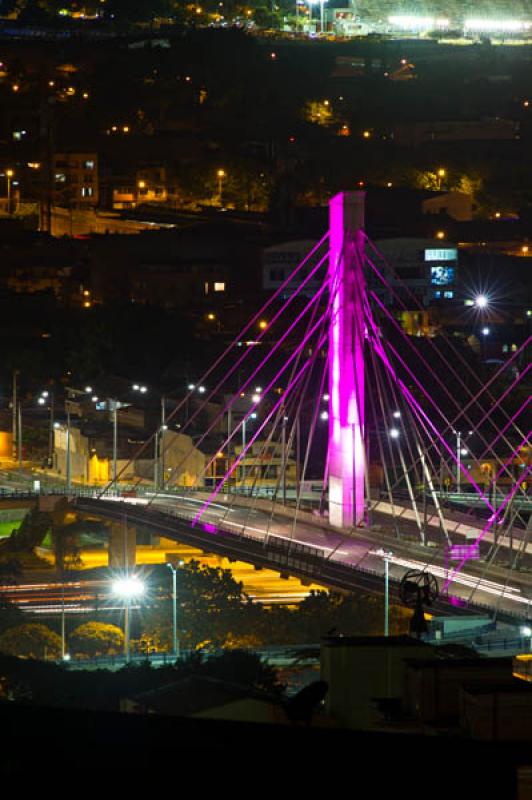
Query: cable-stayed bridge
(417,455)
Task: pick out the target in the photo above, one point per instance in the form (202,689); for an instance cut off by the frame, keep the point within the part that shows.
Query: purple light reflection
(208,527)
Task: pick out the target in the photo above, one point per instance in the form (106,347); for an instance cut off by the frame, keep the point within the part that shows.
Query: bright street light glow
(41,401)
(255,398)
(481,301)
(485,331)
(324,415)
(394,433)
(396,414)
(88,389)
(494,25)
(201,389)
(414,22)
(128,587)
(191,386)
(136,387)
(44,394)
(526,631)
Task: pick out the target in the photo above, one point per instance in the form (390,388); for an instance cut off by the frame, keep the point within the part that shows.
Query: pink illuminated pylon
(346,456)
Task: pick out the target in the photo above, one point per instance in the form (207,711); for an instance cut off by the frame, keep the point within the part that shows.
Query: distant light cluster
(413,22)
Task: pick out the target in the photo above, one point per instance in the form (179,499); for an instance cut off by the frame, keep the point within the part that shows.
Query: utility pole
(156,460)
(283,457)
(458,460)
(19,437)
(51,433)
(161,441)
(229,431)
(114,406)
(14,407)
(68,465)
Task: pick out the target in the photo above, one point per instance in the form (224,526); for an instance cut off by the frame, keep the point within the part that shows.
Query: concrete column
(346,360)
(122,546)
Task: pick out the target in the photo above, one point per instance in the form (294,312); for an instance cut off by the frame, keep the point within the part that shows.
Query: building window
(60,177)
(219,287)
(88,164)
(86,191)
(441,275)
(448,295)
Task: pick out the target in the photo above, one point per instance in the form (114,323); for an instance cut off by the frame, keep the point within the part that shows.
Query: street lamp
(220,174)
(481,301)
(175,641)
(127,588)
(141,185)
(386,555)
(49,396)
(9,177)
(113,407)
(253,415)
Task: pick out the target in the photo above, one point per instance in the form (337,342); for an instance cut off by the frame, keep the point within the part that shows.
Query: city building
(91,457)
(280,260)
(75,180)
(421,270)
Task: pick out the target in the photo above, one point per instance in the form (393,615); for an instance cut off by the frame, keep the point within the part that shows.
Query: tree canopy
(31,640)
(96,639)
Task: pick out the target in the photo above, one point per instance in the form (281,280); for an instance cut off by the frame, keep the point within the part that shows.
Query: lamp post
(68,465)
(283,456)
(322,14)
(48,397)
(458,461)
(175,641)
(221,174)
(386,557)
(112,406)
(128,588)
(141,185)
(253,415)
(14,404)
(9,177)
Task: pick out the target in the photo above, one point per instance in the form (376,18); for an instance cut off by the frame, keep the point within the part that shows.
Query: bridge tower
(346,455)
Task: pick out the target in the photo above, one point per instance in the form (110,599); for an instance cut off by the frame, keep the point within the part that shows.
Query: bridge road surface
(508,593)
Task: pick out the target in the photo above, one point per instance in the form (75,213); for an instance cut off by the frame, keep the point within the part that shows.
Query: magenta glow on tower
(346,457)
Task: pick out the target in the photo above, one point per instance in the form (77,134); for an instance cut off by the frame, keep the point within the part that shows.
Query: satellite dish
(418,588)
(418,583)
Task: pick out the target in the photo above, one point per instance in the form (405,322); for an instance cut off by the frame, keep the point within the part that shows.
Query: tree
(31,641)
(235,666)
(96,639)
(209,603)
